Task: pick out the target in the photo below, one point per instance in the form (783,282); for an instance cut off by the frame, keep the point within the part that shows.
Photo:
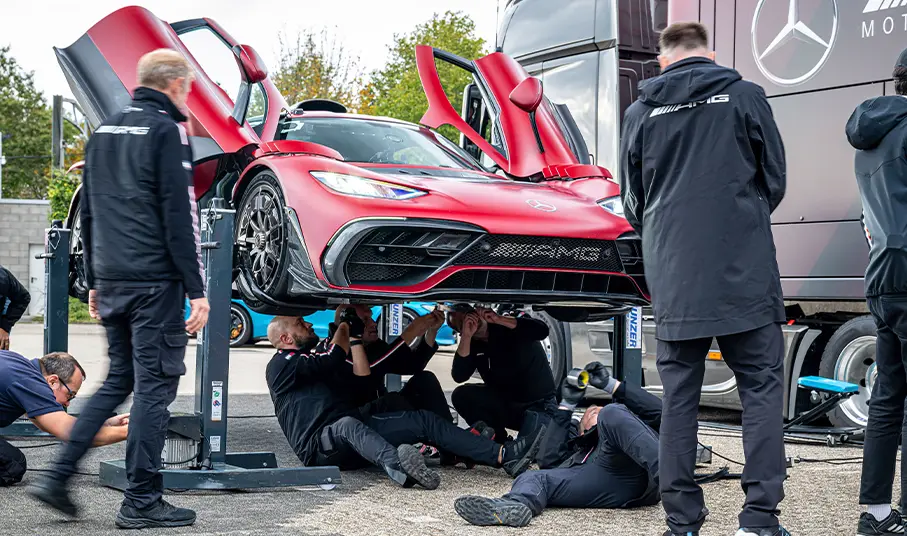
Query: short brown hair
(158,68)
(690,35)
(61,364)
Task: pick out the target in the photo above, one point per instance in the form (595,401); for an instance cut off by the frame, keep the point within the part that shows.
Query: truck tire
(850,356)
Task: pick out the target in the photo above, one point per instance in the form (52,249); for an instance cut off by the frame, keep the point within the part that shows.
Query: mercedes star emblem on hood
(538,205)
(818,36)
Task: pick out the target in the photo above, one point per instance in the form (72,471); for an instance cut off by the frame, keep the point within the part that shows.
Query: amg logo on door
(580,253)
(717,99)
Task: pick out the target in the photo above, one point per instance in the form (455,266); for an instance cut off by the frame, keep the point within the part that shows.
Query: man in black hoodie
(878,130)
(702,169)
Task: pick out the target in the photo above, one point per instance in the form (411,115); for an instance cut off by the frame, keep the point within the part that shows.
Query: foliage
(398,91)
(60,189)
(317,66)
(78,312)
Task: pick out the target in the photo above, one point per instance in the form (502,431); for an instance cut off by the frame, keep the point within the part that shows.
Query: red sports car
(334,206)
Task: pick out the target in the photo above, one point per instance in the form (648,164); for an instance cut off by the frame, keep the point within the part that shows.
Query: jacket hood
(143,93)
(689,80)
(872,120)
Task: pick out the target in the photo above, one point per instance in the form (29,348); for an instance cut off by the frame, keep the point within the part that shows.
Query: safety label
(217,401)
(214,442)
(634,323)
(396,317)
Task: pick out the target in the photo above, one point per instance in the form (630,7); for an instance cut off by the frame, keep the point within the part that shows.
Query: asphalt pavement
(821,497)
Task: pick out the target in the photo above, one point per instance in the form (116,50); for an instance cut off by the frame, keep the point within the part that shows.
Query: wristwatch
(355,342)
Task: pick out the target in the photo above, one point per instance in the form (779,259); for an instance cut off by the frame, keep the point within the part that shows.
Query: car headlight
(613,205)
(364,187)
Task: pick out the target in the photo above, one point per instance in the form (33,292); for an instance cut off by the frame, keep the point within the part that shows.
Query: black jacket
(878,130)
(19,298)
(303,386)
(139,215)
(512,362)
(702,169)
(394,358)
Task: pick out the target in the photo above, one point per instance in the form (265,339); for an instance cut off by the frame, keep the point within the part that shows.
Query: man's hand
(470,325)
(435,320)
(199,316)
(488,315)
(93,304)
(570,395)
(598,375)
(355,324)
(118,420)
(4,339)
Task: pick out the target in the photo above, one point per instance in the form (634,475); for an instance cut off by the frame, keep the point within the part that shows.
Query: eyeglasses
(71,394)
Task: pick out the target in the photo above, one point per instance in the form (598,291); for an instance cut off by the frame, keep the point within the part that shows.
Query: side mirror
(527,96)
(251,66)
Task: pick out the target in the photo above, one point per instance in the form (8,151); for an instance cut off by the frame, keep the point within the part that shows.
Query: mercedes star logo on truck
(795,29)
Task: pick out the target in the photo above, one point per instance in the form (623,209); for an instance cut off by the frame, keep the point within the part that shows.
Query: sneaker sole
(48,500)
(478,511)
(123,522)
(414,465)
(520,467)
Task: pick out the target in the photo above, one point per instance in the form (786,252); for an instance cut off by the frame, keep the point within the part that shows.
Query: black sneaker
(772,531)
(870,526)
(413,464)
(160,514)
(669,533)
(484,512)
(54,493)
(520,453)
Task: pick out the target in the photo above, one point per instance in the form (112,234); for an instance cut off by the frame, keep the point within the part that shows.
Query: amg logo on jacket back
(717,99)
(113,129)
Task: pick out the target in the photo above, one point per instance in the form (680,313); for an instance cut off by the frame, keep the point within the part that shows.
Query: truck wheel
(850,356)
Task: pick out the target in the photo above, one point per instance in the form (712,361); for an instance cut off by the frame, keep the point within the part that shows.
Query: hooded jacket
(702,169)
(878,130)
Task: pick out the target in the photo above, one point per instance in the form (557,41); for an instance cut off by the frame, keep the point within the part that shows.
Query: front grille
(403,255)
(543,252)
(528,281)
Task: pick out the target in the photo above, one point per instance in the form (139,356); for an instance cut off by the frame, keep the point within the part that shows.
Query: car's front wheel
(261,235)
(78,284)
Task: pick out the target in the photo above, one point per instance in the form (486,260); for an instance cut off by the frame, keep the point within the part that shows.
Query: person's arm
(316,366)
(632,193)
(18,297)
(464,363)
(59,424)
(178,208)
(767,147)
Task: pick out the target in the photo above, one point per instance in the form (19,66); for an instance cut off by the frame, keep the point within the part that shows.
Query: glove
(332,329)
(599,377)
(351,319)
(570,395)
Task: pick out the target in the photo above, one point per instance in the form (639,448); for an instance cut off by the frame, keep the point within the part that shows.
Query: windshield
(377,142)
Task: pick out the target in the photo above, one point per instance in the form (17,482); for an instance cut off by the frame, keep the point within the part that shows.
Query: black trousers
(146,336)
(422,391)
(757,359)
(12,464)
(886,424)
(478,402)
(349,442)
(623,466)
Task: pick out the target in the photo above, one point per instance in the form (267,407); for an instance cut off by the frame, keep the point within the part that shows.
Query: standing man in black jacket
(878,130)
(511,360)
(14,300)
(702,169)
(609,459)
(142,258)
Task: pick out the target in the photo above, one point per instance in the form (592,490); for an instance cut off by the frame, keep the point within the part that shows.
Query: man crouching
(324,426)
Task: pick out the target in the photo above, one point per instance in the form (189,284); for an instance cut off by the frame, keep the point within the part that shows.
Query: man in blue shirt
(41,389)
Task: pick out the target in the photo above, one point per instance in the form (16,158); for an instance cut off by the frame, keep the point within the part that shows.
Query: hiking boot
(159,514)
(54,493)
(485,512)
(520,453)
(870,526)
(413,464)
(771,531)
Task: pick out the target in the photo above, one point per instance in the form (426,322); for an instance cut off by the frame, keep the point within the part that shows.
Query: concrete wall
(22,225)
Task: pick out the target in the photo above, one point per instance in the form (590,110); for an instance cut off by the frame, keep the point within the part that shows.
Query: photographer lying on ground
(608,460)
(311,392)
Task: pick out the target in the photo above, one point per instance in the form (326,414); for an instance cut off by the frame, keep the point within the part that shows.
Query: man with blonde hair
(142,259)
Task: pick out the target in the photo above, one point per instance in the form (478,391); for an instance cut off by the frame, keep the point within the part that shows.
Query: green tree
(398,91)
(315,65)
(25,123)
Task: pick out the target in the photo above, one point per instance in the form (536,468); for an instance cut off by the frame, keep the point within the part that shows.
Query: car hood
(545,208)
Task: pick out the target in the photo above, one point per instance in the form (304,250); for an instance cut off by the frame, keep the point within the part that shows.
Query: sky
(366,27)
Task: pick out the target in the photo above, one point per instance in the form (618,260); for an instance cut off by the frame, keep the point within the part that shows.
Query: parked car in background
(249,327)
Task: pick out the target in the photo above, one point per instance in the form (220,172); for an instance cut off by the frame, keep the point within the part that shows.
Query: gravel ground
(821,498)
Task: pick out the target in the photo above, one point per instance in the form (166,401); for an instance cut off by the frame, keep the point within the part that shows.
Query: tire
(555,346)
(240,326)
(78,284)
(261,235)
(850,356)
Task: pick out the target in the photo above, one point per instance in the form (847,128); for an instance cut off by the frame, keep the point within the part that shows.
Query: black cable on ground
(719,455)
(42,445)
(251,416)
(50,470)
